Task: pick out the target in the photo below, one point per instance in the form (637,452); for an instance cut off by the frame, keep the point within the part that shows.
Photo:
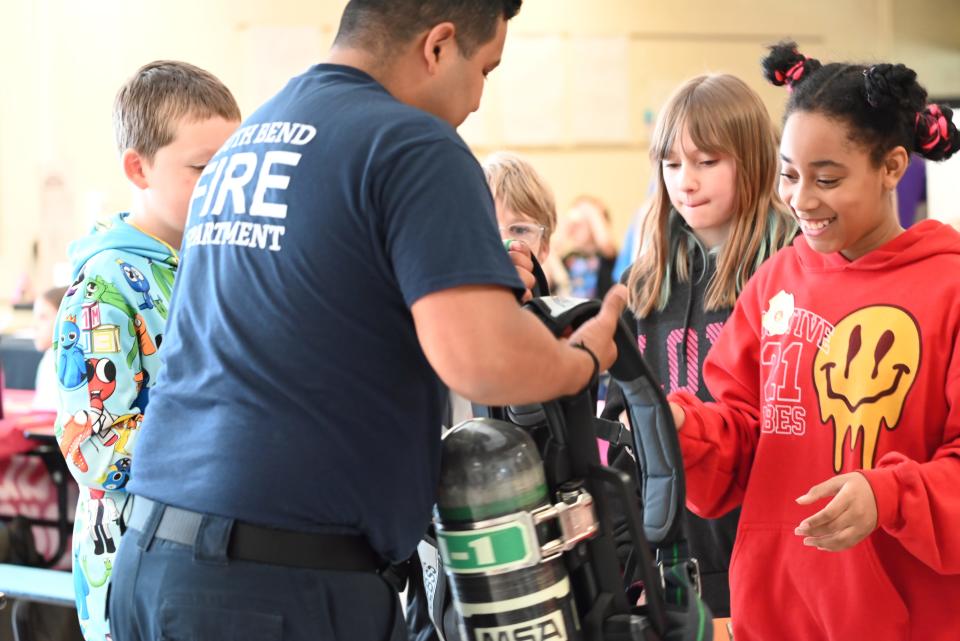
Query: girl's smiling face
(841,199)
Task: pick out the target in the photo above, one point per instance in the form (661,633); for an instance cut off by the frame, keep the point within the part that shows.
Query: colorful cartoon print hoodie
(109,328)
(829,366)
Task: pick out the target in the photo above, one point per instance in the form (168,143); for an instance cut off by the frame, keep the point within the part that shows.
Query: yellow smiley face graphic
(865,376)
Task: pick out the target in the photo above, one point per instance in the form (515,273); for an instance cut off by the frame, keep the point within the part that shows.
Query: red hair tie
(933,127)
(792,75)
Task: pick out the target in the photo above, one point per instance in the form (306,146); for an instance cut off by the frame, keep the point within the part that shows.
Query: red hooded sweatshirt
(829,366)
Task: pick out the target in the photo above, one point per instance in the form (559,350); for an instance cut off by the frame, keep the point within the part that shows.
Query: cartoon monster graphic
(107,570)
(100,512)
(147,347)
(75,285)
(117,476)
(75,431)
(863,380)
(125,425)
(71,367)
(101,384)
(80,588)
(144,345)
(98,289)
(138,282)
(163,277)
(142,379)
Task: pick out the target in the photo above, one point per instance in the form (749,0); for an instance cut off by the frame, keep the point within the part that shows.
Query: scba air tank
(504,587)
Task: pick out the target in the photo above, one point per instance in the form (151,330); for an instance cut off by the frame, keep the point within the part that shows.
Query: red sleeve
(918,503)
(718,440)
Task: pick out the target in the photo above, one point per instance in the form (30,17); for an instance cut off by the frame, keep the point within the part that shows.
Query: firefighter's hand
(520,254)
(846,520)
(597,333)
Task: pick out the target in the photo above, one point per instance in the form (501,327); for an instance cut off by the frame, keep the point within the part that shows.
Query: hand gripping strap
(655,442)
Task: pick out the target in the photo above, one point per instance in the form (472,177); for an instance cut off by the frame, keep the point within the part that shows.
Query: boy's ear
(134,166)
(438,43)
(894,165)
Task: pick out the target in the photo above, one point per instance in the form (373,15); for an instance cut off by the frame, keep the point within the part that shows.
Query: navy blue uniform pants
(165,591)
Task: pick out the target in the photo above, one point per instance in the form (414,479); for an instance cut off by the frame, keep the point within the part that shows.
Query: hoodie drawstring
(687,317)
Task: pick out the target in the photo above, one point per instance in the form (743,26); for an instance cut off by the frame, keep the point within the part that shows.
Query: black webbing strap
(317,551)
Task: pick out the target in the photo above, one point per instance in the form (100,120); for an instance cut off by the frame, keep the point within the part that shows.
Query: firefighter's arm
(489,350)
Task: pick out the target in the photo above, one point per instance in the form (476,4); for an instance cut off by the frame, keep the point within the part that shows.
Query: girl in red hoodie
(836,424)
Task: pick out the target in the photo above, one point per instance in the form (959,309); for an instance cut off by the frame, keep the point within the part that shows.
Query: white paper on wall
(532,91)
(599,95)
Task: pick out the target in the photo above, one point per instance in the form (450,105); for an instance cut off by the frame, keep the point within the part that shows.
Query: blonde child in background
(526,209)
(587,248)
(169,120)
(527,218)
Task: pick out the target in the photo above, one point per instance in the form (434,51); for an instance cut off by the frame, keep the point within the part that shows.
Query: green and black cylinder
(491,478)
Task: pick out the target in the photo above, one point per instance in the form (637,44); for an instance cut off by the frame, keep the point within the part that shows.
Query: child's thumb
(822,490)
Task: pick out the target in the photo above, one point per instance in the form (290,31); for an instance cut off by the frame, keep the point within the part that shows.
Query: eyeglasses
(529,233)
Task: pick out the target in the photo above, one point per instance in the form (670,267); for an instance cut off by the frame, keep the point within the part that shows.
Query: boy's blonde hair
(723,116)
(517,185)
(159,94)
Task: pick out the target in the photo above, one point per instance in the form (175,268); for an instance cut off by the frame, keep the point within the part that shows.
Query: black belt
(316,551)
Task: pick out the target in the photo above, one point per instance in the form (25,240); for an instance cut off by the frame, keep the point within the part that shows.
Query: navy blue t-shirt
(294,392)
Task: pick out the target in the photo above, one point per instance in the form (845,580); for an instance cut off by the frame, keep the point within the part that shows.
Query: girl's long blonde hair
(723,116)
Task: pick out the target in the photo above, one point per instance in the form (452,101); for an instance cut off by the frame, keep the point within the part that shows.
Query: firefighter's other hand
(597,333)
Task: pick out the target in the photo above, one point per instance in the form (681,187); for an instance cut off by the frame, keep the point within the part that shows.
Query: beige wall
(63,61)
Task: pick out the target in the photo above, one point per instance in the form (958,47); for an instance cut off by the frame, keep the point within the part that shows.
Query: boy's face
(174,170)
(516,226)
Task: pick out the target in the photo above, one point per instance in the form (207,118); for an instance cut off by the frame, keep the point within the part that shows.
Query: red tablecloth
(25,485)
(19,417)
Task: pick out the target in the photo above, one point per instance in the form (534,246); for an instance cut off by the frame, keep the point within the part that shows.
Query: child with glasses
(526,212)
(527,217)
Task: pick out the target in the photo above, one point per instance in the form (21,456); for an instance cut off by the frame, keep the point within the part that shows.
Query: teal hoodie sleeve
(108,330)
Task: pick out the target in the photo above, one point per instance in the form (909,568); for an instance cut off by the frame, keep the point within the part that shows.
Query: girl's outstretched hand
(846,520)
(679,416)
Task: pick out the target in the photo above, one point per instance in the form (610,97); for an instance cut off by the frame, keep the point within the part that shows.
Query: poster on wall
(532,91)
(600,90)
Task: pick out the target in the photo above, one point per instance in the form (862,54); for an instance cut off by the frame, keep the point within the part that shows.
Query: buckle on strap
(512,541)
(689,566)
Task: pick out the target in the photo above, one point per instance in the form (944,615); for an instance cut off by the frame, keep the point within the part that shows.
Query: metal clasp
(577,520)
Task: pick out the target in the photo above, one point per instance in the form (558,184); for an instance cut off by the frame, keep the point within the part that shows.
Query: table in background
(34,480)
